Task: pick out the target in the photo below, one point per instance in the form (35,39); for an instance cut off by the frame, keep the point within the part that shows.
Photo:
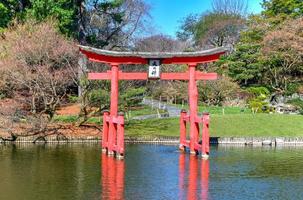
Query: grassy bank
(235,125)
(219,109)
(144,110)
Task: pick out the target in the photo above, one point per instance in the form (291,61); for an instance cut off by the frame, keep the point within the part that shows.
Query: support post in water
(202,148)
(105,131)
(113,123)
(120,136)
(205,136)
(113,107)
(183,144)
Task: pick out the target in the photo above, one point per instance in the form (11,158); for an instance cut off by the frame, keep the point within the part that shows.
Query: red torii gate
(113,123)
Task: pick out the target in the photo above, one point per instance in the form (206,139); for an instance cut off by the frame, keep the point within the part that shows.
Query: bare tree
(160,43)
(230,7)
(38,65)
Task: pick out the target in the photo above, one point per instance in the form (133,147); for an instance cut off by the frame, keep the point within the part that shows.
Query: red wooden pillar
(193,106)
(182,130)
(205,136)
(120,136)
(113,107)
(105,132)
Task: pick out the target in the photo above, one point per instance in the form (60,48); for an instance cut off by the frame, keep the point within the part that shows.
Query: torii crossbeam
(113,124)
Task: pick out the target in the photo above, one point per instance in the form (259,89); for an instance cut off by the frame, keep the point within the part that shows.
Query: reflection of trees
(284,163)
(48,171)
(259,162)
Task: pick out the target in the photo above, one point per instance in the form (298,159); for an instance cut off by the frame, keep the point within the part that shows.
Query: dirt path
(71,109)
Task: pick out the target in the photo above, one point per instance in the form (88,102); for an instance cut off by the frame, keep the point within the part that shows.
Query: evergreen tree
(283,8)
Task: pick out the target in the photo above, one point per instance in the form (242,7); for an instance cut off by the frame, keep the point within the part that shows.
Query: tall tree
(216,29)
(283,8)
(64,11)
(111,24)
(221,27)
(101,23)
(244,64)
(188,27)
(12,9)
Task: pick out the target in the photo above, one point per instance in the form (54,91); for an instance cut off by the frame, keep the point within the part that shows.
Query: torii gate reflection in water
(113,123)
(193,178)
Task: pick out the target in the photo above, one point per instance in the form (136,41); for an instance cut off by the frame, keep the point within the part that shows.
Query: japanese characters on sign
(154,69)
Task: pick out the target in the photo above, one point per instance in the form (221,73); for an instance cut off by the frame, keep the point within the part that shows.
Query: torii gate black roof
(150,55)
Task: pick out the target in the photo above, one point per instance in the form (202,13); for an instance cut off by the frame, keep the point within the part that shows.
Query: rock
(266,142)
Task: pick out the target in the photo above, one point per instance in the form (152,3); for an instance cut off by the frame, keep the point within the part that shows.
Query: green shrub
(99,98)
(259,106)
(132,97)
(257,103)
(259,92)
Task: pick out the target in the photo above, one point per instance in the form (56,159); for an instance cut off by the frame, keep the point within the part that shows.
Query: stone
(266,142)
(205,156)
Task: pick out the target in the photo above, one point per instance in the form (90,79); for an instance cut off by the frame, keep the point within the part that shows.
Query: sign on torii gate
(113,124)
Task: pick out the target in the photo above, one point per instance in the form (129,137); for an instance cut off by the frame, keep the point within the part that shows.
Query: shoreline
(238,141)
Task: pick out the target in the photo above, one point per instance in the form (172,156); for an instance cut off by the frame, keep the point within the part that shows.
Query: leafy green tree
(65,11)
(187,27)
(244,64)
(284,8)
(11,9)
(4,15)
(101,23)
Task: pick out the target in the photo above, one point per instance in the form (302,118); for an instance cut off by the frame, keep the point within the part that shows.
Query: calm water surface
(149,172)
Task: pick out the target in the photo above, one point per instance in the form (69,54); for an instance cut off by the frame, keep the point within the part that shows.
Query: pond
(81,171)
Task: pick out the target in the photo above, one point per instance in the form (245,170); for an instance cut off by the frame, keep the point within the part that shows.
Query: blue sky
(166,14)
